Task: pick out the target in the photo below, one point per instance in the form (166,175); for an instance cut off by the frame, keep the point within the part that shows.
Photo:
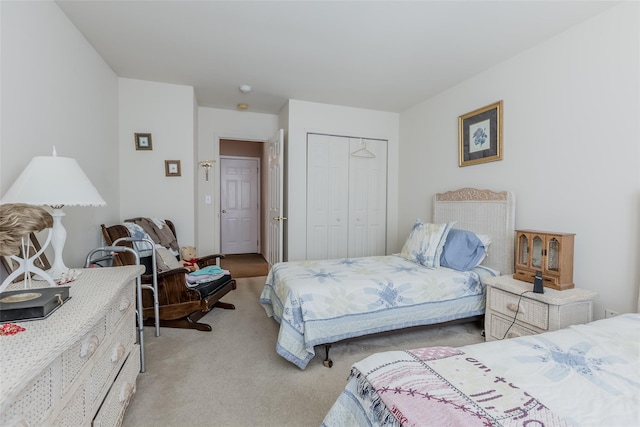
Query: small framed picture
(172,167)
(480,135)
(143,141)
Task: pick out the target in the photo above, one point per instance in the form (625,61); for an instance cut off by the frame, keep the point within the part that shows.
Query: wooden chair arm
(172,288)
(180,272)
(209,260)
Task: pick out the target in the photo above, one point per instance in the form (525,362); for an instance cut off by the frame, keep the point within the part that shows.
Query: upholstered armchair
(179,305)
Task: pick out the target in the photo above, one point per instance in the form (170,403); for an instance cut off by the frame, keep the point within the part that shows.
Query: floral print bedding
(319,302)
(585,375)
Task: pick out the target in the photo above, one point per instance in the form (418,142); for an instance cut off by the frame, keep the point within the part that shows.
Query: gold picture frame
(172,168)
(143,141)
(34,246)
(480,135)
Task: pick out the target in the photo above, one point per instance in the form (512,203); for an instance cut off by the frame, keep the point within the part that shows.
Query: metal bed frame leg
(327,362)
(138,293)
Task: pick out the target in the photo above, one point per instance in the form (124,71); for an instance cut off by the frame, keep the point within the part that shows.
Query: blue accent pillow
(462,251)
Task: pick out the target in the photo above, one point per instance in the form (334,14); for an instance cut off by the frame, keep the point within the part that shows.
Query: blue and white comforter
(319,302)
(586,375)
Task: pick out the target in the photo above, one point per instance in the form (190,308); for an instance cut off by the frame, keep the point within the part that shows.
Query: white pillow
(165,259)
(486,241)
(425,242)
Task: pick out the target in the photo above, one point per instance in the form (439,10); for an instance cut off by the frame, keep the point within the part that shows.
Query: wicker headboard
(483,212)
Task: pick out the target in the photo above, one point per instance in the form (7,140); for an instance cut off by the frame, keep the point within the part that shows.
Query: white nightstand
(537,313)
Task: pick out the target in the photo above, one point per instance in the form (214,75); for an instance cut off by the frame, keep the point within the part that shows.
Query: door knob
(279,218)
(224,211)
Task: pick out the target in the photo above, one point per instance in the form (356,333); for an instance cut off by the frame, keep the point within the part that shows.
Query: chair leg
(184,323)
(225,305)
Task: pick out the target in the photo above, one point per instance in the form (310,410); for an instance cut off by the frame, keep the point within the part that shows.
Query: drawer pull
(124,304)
(117,353)
(126,392)
(89,346)
(514,307)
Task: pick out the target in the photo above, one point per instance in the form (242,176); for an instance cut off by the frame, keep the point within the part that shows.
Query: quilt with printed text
(585,375)
(319,302)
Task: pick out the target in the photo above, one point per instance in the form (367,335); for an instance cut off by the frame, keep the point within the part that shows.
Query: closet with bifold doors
(346,196)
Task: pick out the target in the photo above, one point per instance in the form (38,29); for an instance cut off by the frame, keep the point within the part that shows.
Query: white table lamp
(56,182)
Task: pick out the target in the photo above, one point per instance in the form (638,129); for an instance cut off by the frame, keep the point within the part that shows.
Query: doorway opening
(241,196)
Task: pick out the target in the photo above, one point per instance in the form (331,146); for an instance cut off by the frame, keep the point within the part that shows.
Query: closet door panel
(327,197)
(377,218)
(367,199)
(358,209)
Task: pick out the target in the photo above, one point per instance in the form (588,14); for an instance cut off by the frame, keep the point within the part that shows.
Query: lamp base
(58,238)
(56,274)
(27,267)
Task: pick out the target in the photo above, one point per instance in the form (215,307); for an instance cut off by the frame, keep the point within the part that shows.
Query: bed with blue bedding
(320,302)
(584,375)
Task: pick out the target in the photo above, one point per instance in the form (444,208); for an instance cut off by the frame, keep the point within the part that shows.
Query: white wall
(56,90)
(215,124)
(571,148)
(305,117)
(165,111)
(571,140)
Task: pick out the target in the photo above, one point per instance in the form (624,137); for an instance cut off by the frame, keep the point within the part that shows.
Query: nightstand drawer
(531,312)
(500,325)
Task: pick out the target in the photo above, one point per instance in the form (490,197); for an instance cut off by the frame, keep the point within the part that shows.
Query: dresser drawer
(112,410)
(109,363)
(78,355)
(500,325)
(74,412)
(531,312)
(121,305)
(35,402)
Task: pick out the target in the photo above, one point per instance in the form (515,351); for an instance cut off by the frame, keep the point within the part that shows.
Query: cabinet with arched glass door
(549,253)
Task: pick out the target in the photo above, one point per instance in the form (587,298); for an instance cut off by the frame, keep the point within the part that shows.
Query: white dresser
(79,366)
(536,313)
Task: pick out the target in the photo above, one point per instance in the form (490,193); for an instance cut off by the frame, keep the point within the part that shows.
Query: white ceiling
(381,55)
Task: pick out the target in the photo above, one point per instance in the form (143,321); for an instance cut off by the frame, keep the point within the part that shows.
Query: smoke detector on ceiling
(245,88)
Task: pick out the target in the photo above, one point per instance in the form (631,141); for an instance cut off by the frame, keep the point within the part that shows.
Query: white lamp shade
(53,181)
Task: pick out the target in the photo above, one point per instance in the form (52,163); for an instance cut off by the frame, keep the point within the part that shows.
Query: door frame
(208,212)
(260,215)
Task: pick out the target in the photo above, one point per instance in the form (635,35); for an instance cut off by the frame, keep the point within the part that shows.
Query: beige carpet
(232,375)
(245,265)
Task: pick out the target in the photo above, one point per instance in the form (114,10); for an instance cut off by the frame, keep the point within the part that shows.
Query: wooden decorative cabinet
(546,252)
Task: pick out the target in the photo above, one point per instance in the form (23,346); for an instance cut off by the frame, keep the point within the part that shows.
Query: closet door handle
(224,211)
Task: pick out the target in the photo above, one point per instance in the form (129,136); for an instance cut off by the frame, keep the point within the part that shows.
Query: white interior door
(367,198)
(239,204)
(327,196)
(346,197)
(275,189)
